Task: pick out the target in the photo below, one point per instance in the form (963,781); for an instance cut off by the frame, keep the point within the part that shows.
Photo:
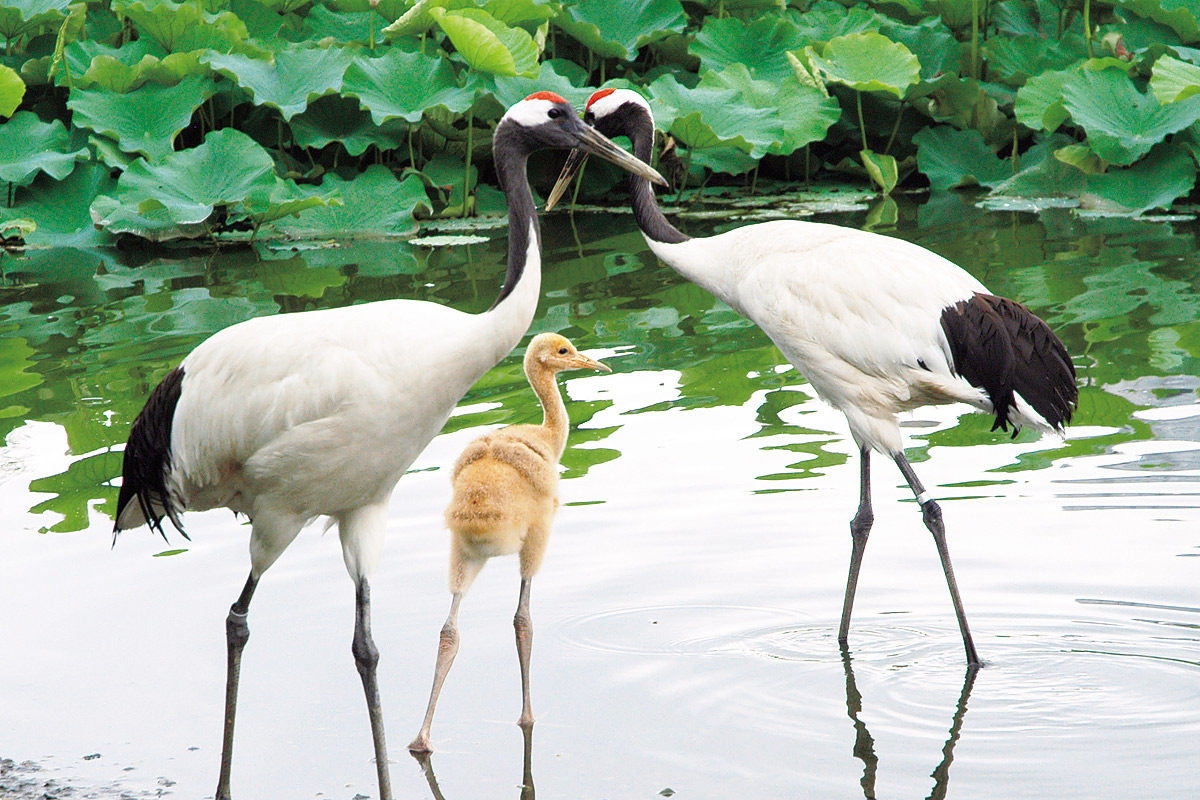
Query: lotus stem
(862,126)
(687,169)
(467,169)
(895,129)
(1087,26)
(975,68)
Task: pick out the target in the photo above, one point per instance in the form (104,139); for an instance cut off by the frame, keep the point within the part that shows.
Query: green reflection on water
(88,333)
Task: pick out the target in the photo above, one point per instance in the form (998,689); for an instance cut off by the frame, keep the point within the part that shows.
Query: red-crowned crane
(505,497)
(298,416)
(876,325)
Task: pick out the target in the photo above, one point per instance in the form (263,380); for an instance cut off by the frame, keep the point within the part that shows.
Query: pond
(685,618)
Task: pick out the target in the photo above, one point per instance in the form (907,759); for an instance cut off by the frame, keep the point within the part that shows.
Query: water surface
(685,618)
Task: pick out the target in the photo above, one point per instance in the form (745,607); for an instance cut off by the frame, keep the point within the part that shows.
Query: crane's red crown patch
(551,96)
(600,95)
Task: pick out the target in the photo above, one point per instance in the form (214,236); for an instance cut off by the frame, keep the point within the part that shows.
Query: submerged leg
(524,629)
(447,649)
(860,528)
(931,512)
(237,632)
(366,658)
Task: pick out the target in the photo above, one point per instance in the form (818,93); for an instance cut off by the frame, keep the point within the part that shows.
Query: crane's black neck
(638,126)
(511,153)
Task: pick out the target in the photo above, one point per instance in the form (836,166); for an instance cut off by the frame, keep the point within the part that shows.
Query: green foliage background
(237,118)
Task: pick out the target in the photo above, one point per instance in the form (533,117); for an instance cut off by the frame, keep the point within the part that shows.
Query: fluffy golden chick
(505,496)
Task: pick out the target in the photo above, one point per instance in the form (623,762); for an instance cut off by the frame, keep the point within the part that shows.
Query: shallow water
(685,618)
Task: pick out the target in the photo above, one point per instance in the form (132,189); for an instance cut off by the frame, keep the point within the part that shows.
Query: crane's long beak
(575,161)
(580,361)
(592,142)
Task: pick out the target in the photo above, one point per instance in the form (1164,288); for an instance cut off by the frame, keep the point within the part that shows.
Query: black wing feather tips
(1002,347)
(148,458)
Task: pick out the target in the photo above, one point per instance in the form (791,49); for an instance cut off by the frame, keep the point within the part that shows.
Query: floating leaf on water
(449,241)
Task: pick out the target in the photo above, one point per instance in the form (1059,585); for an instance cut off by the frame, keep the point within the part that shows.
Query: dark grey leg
(237,632)
(366,657)
(524,630)
(860,528)
(931,512)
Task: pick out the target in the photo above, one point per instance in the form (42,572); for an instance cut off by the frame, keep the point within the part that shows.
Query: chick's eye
(562,351)
(554,113)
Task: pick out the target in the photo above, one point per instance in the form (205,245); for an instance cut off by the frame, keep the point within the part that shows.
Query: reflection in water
(864,743)
(527,791)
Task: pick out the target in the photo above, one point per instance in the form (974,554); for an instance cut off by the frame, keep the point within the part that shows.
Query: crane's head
(552,352)
(545,119)
(613,112)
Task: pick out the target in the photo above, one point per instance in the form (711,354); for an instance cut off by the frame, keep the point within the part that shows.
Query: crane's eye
(562,351)
(554,113)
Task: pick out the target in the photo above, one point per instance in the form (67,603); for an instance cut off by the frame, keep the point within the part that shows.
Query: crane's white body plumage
(280,439)
(856,312)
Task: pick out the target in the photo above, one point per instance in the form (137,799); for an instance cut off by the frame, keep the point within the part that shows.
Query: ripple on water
(1048,676)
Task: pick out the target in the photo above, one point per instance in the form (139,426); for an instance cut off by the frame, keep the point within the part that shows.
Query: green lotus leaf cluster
(1034,101)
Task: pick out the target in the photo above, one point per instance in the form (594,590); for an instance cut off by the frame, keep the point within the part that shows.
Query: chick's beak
(580,361)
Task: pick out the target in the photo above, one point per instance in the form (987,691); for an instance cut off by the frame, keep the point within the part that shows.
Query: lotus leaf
(515,12)
(416,20)
(177,195)
(1158,180)
(760,44)
(1042,174)
(402,85)
(20,17)
(29,146)
(108,73)
(882,169)
(951,158)
(144,121)
(347,26)
(1122,123)
(488,45)
(1174,80)
(1182,16)
(827,19)
(619,34)
(173,24)
(706,117)
(60,207)
(562,77)
(1039,104)
(964,103)
(869,62)
(932,43)
(80,55)
(12,90)
(333,118)
(298,76)
(1015,59)
(804,113)
(262,17)
(284,200)
(1081,157)
(374,204)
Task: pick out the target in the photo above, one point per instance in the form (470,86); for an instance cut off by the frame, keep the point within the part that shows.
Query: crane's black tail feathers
(148,461)
(1003,348)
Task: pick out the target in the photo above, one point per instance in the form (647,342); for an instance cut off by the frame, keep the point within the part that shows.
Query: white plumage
(293,417)
(878,326)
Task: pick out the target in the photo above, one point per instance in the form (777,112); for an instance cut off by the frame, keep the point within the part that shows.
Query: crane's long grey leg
(860,528)
(524,630)
(931,512)
(237,632)
(447,649)
(366,658)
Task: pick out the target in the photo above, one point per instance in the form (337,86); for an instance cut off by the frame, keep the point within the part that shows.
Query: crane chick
(505,496)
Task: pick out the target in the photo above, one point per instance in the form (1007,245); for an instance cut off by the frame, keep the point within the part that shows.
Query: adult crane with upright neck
(876,325)
(318,414)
